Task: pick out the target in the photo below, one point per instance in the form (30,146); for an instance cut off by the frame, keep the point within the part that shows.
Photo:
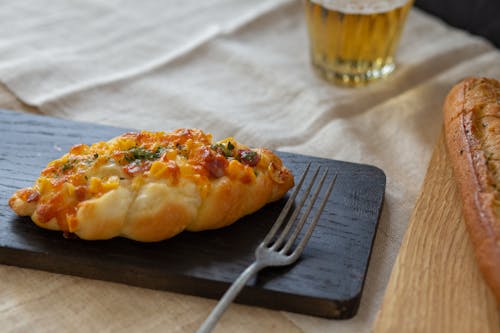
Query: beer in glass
(353,42)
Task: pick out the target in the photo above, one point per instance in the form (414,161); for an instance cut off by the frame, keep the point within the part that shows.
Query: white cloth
(239,68)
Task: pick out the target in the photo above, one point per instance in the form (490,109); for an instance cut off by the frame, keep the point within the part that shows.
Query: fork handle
(228,297)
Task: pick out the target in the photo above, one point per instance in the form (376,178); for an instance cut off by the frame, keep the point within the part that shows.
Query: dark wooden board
(327,281)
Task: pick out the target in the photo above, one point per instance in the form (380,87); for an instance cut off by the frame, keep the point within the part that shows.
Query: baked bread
(151,186)
(472,130)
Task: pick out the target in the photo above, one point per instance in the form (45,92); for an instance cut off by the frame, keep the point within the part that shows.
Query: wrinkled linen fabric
(233,68)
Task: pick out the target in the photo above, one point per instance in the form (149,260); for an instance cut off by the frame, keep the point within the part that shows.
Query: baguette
(472,131)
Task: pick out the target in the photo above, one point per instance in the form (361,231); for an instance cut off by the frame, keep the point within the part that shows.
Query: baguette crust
(472,130)
(151,186)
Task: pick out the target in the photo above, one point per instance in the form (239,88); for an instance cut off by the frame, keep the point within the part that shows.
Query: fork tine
(296,212)
(268,256)
(305,214)
(286,209)
(298,250)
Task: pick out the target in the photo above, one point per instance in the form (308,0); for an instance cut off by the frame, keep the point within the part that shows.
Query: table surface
(423,285)
(436,285)
(242,70)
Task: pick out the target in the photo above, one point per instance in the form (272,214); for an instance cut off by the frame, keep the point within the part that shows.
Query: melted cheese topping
(145,168)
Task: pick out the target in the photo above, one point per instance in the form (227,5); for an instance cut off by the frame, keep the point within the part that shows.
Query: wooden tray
(435,285)
(327,281)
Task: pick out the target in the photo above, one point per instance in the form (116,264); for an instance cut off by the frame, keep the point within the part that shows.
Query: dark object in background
(480,17)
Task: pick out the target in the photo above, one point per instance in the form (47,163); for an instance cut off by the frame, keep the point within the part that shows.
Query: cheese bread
(150,186)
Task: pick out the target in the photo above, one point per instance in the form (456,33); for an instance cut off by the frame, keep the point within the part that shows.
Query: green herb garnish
(226,150)
(143,154)
(69,164)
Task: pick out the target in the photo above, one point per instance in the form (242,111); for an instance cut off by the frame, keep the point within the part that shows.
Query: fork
(276,253)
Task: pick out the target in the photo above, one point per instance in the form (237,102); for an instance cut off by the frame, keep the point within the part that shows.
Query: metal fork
(270,253)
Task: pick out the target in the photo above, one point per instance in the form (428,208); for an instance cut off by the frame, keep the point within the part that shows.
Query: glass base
(354,79)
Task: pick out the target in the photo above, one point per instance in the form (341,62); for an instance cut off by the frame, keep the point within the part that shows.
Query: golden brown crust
(472,130)
(151,186)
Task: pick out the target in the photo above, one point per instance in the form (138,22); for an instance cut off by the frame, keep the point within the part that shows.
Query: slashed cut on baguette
(472,130)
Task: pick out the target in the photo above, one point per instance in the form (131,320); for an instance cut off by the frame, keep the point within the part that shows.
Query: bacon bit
(51,169)
(51,209)
(216,167)
(137,167)
(56,208)
(81,192)
(211,161)
(29,195)
(45,213)
(248,157)
(34,196)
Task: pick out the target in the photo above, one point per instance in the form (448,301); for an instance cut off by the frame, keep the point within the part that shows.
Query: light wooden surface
(435,285)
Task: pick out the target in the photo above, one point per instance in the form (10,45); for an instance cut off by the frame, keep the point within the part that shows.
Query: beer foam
(361,6)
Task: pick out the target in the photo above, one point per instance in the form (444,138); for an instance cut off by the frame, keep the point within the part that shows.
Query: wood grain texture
(435,285)
(327,281)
